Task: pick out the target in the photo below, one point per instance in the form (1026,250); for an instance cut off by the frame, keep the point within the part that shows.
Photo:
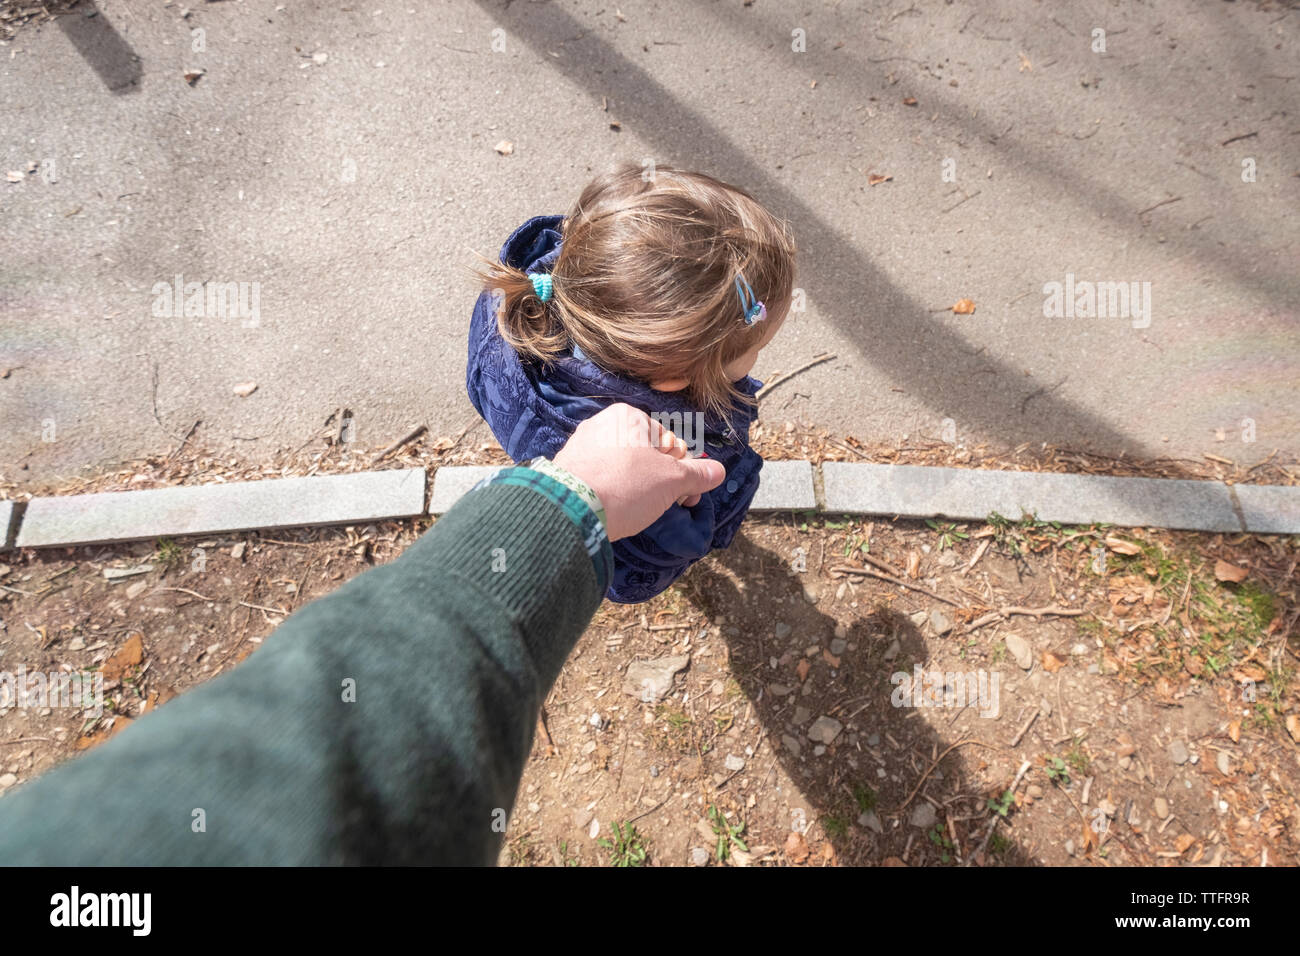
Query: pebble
(699,856)
(838,646)
(778,690)
(825,730)
(810,594)
(734,763)
(1224,763)
(593,831)
(654,771)
(534,808)
(1020,650)
(650,681)
(940,621)
(791,744)
(1069,847)
(873,740)
(841,631)
(923,816)
(918,618)
(801,715)
(1162,807)
(1178,753)
(7,781)
(819,750)
(1036,791)
(782,630)
(871,822)
(581,818)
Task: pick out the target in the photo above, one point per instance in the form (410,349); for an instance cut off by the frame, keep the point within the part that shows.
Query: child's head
(646,283)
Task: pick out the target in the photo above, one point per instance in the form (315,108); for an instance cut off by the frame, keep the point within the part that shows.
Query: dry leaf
(964,307)
(1183,842)
(505,147)
(1120,546)
(892,861)
(802,669)
(1234,731)
(1293,727)
(14,176)
(914,565)
(796,848)
(830,658)
(1052,663)
(244,389)
(1249,672)
(131,654)
(1025,64)
(1228,572)
(120,724)
(192,76)
(875,179)
(909,101)
(615,125)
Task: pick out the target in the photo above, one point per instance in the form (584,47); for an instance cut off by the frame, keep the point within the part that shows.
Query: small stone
(649,681)
(734,763)
(871,822)
(76,644)
(1162,808)
(812,650)
(895,648)
(1094,668)
(135,590)
(825,730)
(237,552)
(654,771)
(811,594)
(919,618)
(699,856)
(923,816)
(940,621)
(1178,753)
(791,744)
(819,750)
(778,690)
(873,740)
(1036,791)
(1224,763)
(581,818)
(534,807)
(1125,762)
(947,559)
(841,631)
(7,781)
(1069,847)
(838,646)
(801,715)
(1020,650)
(593,830)
(1079,650)
(782,630)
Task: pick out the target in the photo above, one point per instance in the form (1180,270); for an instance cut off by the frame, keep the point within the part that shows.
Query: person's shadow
(854,756)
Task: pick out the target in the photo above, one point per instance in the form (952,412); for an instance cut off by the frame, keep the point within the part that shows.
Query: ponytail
(527,323)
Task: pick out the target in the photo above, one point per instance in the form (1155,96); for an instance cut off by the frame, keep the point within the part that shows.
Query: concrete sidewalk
(339,164)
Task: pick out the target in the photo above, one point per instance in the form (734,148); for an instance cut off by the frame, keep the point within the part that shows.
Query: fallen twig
(824,357)
(405,440)
(849,569)
(988,834)
(915,790)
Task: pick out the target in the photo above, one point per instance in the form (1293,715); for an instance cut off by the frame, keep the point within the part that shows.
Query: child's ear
(670,384)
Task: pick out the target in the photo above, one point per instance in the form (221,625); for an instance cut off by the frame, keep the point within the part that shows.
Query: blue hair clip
(542,285)
(753,311)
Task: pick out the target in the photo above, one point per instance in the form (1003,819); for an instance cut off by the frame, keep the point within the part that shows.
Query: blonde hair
(645,282)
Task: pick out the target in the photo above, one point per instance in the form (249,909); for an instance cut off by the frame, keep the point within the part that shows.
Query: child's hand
(637,468)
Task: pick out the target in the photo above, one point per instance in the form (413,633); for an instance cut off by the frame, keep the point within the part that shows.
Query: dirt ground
(1082,696)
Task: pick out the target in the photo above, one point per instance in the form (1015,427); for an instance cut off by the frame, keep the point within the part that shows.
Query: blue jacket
(532,410)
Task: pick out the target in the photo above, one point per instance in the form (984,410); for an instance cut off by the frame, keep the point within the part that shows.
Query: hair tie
(753,311)
(543,284)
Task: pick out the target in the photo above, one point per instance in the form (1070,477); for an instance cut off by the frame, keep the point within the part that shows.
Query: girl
(659,289)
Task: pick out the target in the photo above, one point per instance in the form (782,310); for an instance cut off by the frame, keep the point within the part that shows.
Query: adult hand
(637,467)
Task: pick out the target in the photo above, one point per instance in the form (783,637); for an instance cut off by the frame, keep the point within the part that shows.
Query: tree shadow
(904,337)
(102,47)
(858,776)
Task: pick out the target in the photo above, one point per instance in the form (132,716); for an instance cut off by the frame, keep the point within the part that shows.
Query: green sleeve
(450,660)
